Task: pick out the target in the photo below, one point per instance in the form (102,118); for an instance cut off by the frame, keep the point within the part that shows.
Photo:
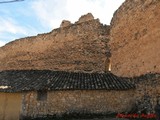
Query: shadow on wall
(74,115)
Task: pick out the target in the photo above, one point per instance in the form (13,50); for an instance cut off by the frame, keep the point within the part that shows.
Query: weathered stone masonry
(46,92)
(80,101)
(135,38)
(147,92)
(72,47)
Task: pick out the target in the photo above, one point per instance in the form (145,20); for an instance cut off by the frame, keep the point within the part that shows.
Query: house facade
(36,93)
(78,101)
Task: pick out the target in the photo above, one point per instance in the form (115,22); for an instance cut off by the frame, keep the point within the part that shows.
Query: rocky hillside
(72,47)
(135,38)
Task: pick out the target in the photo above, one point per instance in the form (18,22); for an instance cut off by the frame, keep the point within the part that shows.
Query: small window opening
(42,95)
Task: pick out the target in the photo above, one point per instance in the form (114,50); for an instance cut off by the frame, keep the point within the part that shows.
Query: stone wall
(147,92)
(75,47)
(62,102)
(135,38)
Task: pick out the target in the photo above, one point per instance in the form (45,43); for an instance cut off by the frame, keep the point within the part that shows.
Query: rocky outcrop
(135,38)
(75,47)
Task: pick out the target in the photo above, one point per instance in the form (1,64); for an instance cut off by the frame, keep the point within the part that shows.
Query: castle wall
(147,92)
(77,47)
(135,38)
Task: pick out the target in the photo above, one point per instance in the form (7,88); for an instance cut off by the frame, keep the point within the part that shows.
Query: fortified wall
(147,92)
(135,38)
(135,43)
(72,47)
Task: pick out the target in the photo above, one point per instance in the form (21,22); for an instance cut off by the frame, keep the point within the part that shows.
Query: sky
(32,17)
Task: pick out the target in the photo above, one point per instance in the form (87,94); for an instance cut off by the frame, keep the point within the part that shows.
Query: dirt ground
(104,119)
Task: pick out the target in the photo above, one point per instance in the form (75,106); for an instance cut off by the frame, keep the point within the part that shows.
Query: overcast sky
(31,17)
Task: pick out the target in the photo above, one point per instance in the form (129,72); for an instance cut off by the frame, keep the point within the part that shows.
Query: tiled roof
(27,80)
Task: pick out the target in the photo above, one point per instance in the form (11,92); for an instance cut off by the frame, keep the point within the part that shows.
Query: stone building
(80,49)
(36,93)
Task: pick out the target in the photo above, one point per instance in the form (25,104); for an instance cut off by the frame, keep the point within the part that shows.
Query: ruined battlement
(72,47)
